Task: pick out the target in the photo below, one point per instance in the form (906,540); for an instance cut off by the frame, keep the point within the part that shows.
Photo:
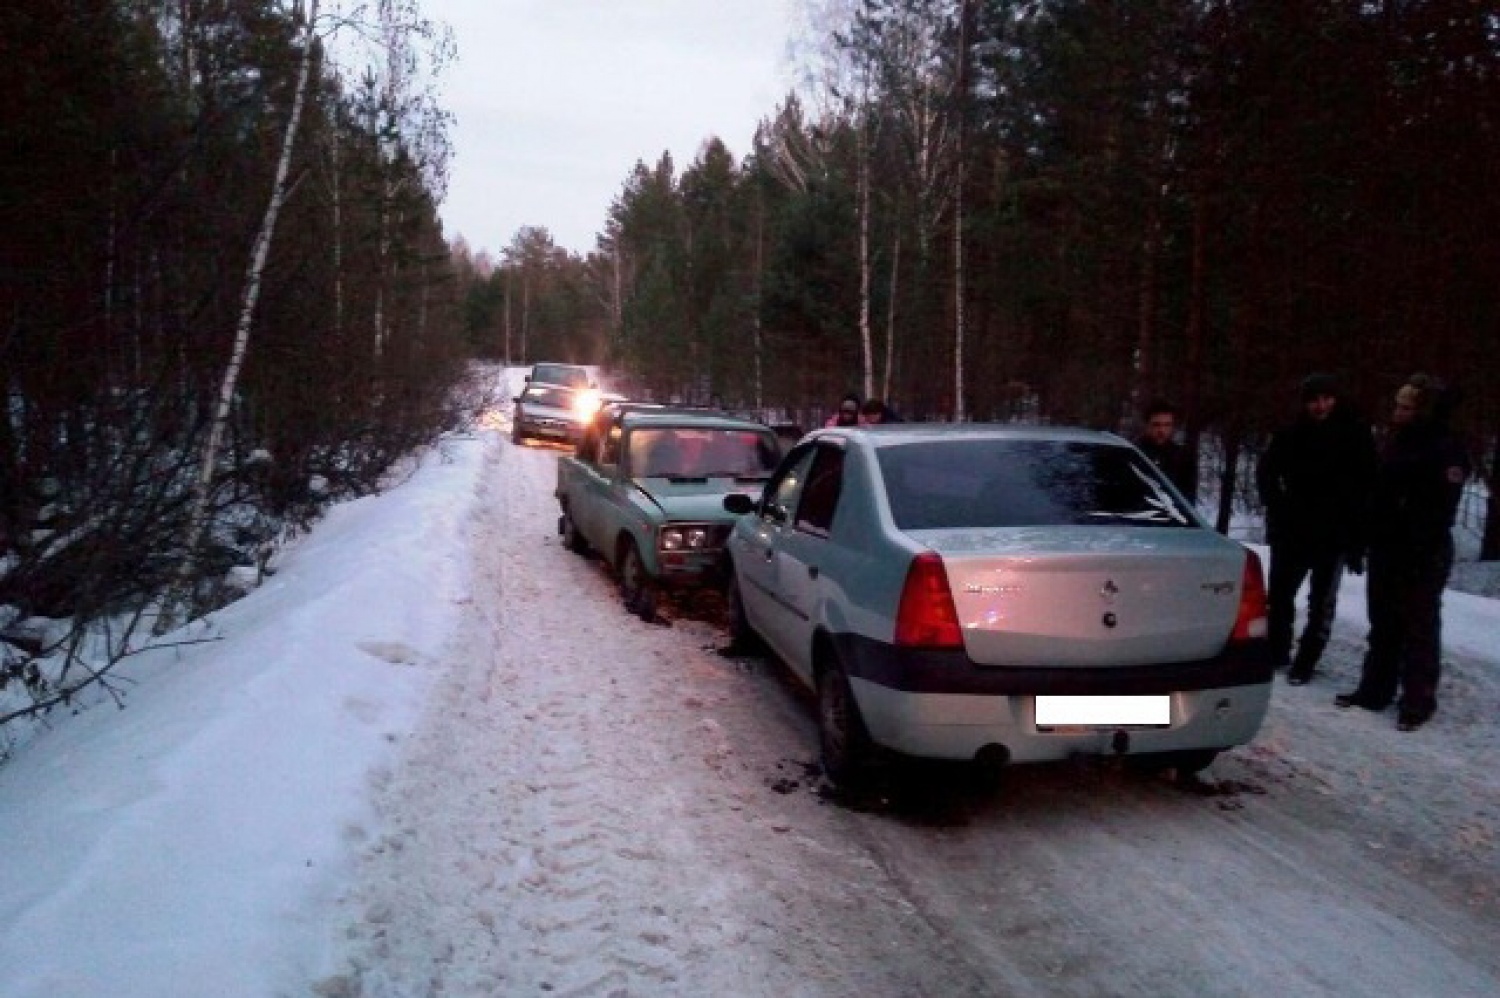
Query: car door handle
(812,571)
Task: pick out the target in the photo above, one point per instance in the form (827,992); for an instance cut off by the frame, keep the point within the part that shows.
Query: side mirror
(738,503)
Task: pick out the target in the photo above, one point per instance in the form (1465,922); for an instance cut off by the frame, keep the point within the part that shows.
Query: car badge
(1109,591)
(1218,588)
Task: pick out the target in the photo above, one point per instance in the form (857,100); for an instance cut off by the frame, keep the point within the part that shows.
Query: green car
(645,490)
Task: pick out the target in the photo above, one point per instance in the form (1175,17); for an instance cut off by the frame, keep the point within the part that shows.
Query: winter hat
(1421,392)
(1318,385)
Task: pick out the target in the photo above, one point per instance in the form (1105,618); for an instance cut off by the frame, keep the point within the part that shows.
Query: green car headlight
(686,539)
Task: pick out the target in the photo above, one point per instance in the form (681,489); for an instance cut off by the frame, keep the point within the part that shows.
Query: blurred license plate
(1102,711)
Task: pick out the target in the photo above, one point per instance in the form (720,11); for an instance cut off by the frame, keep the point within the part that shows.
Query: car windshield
(560,374)
(1024,483)
(683,452)
(561,398)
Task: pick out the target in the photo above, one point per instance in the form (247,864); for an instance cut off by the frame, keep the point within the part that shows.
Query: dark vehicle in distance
(552,412)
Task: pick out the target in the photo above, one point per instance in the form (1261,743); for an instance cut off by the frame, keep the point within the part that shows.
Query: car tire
(1186,762)
(1191,762)
(742,636)
(572,539)
(847,750)
(635,586)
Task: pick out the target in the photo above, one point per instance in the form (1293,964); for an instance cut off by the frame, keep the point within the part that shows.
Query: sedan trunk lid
(1091,596)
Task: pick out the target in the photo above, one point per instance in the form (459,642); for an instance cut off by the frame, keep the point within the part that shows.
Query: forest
(228,300)
(1061,210)
(226,296)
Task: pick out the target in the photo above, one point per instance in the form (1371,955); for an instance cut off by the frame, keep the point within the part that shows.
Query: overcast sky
(556,100)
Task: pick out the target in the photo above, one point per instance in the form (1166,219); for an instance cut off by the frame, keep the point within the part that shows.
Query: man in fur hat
(1420,480)
(1314,481)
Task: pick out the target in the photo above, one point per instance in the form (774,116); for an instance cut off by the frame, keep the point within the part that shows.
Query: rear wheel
(847,750)
(635,584)
(572,539)
(742,636)
(1187,762)
(1193,761)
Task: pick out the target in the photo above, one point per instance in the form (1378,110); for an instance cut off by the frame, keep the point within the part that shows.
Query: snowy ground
(435,756)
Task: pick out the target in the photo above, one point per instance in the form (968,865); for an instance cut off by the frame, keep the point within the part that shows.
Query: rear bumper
(941,705)
(915,670)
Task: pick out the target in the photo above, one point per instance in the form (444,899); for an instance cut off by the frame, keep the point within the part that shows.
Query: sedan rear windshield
(1024,483)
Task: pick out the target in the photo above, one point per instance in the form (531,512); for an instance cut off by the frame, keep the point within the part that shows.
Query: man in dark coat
(1159,443)
(1314,481)
(1423,467)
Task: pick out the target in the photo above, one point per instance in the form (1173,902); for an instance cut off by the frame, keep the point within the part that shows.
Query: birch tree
(202,490)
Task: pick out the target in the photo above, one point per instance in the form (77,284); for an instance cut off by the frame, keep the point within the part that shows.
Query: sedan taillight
(927,617)
(1250,624)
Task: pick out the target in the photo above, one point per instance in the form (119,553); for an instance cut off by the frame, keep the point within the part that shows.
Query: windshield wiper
(1151,516)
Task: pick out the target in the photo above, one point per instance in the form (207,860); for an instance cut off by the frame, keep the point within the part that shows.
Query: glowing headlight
(586,403)
(685,539)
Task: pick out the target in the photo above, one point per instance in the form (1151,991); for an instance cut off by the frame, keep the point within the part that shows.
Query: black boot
(1412,718)
(1303,666)
(1359,699)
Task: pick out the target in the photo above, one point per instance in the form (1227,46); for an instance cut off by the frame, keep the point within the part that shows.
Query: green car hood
(698,500)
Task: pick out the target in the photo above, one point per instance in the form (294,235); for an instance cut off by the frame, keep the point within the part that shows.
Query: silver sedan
(1000,594)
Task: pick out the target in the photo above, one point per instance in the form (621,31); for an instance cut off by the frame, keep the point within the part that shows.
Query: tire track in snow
(507,865)
(584,808)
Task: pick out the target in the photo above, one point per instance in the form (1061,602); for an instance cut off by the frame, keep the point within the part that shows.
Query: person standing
(1314,481)
(1159,443)
(875,412)
(847,414)
(1418,484)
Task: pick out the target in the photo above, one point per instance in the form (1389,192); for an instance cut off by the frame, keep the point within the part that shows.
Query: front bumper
(550,428)
(684,570)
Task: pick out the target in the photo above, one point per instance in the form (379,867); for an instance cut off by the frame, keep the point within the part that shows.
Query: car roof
(896,434)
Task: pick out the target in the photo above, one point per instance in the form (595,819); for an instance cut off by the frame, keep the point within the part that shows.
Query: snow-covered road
(594,805)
